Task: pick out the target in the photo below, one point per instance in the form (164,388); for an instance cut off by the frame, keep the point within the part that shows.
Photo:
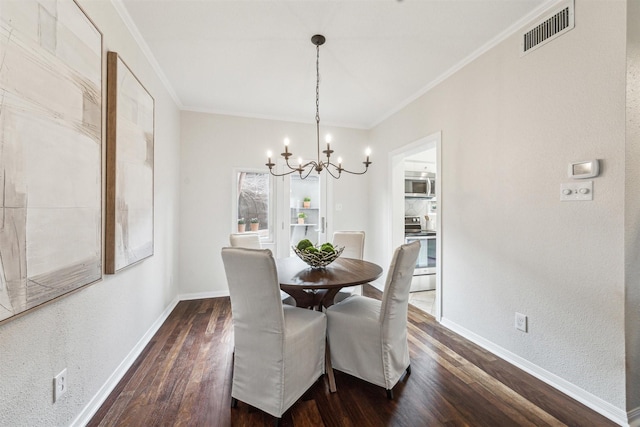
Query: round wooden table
(315,287)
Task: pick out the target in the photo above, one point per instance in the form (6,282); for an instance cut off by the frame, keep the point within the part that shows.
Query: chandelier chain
(318,84)
(318,101)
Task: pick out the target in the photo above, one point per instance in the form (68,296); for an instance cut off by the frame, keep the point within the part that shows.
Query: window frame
(270,238)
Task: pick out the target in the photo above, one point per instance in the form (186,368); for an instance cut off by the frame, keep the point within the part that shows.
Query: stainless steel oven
(426,263)
(424,273)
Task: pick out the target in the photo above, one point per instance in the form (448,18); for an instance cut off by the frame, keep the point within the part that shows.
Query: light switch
(576,191)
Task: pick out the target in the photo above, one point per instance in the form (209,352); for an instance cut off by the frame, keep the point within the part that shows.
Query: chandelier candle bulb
(269,163)
(286,153)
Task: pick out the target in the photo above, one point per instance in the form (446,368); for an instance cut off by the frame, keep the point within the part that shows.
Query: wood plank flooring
(183,378)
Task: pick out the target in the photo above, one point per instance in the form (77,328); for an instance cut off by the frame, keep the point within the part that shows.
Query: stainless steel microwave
(419,184)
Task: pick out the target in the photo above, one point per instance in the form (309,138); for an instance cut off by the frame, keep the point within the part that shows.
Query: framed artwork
(130,133)
(50,153)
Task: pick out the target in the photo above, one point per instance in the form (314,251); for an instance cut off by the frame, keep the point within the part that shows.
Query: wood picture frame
(130,149)
(50,153)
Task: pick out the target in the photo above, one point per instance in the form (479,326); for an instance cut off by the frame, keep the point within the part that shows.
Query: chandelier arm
(356,173)
(331,173)
(341,169)
(308,172)
(291,169)
(311,163)
(283,174)
(328,163)
(288,165)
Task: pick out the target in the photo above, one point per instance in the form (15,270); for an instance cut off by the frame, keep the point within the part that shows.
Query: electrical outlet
(521,322)
(59,385)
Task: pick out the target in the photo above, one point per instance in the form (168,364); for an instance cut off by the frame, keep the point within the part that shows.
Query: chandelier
(318,165)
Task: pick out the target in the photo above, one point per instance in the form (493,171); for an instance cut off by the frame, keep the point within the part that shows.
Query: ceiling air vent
(559,22)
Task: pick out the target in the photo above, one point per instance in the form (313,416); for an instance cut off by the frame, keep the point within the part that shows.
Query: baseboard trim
(634,417)
(203,295)
(602,407)
(98,399)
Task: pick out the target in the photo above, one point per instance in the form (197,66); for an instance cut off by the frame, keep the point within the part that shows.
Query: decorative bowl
(318,259)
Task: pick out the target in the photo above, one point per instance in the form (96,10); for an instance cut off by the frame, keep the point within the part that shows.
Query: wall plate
(576,191)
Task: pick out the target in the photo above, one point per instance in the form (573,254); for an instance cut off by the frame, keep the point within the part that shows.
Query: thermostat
(585,169)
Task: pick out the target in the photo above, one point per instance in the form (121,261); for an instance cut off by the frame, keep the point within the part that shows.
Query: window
(254,199)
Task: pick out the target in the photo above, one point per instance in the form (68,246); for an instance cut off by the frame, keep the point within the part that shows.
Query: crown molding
(144,47)
(511,30)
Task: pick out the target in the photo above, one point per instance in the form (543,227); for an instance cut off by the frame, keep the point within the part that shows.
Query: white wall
(510,126)
(212,146)
(92,331)
(632,210)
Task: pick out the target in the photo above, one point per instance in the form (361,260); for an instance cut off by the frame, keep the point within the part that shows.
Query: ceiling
(255,58)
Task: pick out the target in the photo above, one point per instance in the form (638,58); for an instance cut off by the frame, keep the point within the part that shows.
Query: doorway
(303,211)
(397,167)
(306,221)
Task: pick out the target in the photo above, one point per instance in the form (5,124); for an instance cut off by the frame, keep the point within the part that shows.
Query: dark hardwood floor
(183,377)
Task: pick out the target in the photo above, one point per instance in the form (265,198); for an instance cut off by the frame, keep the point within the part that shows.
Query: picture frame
(50,153)
(129,224)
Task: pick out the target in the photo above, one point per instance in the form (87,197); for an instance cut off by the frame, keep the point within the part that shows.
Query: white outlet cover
(521,322)
(59,385)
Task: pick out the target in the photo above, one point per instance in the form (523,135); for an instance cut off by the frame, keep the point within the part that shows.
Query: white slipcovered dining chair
(279,349)
(368,337)
(245,240)
(252,241)
(353,242)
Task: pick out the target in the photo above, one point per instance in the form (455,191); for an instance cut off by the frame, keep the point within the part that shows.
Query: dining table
(316,288)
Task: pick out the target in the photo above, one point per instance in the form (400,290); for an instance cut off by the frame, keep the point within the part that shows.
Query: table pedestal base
(311,298)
